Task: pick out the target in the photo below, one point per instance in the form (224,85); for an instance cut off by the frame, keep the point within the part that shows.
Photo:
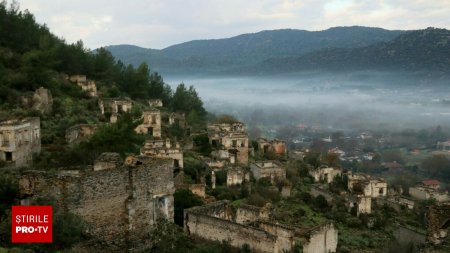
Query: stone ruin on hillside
(120,201)
(151,124)
(230,141)
(20,139)
(253,226)
(85,84)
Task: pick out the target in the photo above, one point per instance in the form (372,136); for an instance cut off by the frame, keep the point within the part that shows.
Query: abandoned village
(121,199)
(131,164)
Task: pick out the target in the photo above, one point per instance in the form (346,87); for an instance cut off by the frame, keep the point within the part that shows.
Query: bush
(9,191)
(256,200)
(184,199)
(168,238)
(321,203)
(68,229)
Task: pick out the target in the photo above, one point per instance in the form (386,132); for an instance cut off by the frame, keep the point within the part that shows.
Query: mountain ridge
(288,50)
(249,49)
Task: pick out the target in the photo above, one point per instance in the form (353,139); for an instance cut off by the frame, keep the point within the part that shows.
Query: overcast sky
(158,24)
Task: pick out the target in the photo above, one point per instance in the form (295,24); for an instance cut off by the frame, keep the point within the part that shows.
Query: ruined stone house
(113,107)
(41,100)
(317,189)
(438,223)
(429,189)
(151,124)
(236,144)
(399,203)
(217,162)
(238,127)
(272,170)
(80,133)
(275,146)
(120,202)
(20,139)
(367,185)
(237,176)
(362,204)
(178,119)
(164,149)
(220,221)
(423,192)
(325,174)
(156,103)
(85,84)
(107,161)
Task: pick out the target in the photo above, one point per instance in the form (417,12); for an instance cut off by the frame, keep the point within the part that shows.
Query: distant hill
(422,50)
(249,49)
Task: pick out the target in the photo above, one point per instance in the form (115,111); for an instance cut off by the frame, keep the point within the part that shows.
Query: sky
(159,24)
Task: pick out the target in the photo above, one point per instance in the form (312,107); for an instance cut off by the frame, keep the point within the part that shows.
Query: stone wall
(251,225)
(285,235)
(315,191)
(362,203)
(120,205)
(438,222)
(236,176)
(322,239)
(212,228)
(216,222)
(424,193)
(43,100)
(79,133)
(247,214)
(396,203)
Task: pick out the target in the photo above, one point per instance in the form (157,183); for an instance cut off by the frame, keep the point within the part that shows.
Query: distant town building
(443,146)
(276,146)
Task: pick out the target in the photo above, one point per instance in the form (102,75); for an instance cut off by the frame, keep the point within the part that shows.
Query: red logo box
(32,224)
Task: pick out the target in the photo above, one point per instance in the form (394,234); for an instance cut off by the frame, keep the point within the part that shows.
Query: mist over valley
(354,101)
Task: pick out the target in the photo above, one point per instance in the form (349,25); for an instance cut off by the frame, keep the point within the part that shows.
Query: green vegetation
(32,57)
(245,50)
(167,237)
(421,50)
(70,229)
(184,199)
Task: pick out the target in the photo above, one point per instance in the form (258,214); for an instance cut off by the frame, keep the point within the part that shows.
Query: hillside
(32,57)
(249,49)
(419,51)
